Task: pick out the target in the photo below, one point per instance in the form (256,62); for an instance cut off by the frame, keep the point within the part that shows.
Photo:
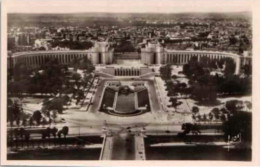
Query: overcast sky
(127,6)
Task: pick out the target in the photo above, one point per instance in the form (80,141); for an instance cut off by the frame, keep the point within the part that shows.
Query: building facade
(154,53)
(100,53)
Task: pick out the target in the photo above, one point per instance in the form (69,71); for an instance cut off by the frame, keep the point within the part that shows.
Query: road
(123,146)
(97,97)
(153,97)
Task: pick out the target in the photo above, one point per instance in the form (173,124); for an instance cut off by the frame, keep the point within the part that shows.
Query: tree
(186,127)
(199,117)
(55,104)
(54,131)
(13,112)
(204,93)
(230,66)
(76,77)
(181,88)
(170,88)
(44,121)
(234,85)
(215,111)
(76,63)
(232,40)
(224,111)
(210,116)
(46,133)
(125,46)
(204,117)
(193,69)
(223,117)
(86,65)
(165,72)
(42,48)
(53,77)
(193,116)
(205,87)
(65,131)
(80,96)
(234,105)
(186,70)
(20,72)
(217,116)
(73,45)
(175,103)
(37,116)
(195,109)
(247,69)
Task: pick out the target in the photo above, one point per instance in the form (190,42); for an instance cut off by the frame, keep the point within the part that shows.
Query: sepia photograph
(109,80)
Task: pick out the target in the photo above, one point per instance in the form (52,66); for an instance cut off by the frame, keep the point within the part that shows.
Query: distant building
(42,43)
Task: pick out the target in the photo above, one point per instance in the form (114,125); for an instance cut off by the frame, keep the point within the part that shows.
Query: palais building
(100,53)
(154,53)
(103,54)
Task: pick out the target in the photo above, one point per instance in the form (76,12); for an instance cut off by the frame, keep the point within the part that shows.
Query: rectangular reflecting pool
(125,103)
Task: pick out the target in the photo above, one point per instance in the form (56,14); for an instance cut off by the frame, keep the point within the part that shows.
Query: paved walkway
(139,148)
(123,147)
(97,97)
(118,147)
(106,152)
(153,97)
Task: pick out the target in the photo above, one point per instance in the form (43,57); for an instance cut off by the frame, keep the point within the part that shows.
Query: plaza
(146,100)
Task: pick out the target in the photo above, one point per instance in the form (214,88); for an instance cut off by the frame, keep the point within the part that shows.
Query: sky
(126,6)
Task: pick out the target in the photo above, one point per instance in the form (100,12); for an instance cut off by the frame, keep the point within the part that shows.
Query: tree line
(204,86)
